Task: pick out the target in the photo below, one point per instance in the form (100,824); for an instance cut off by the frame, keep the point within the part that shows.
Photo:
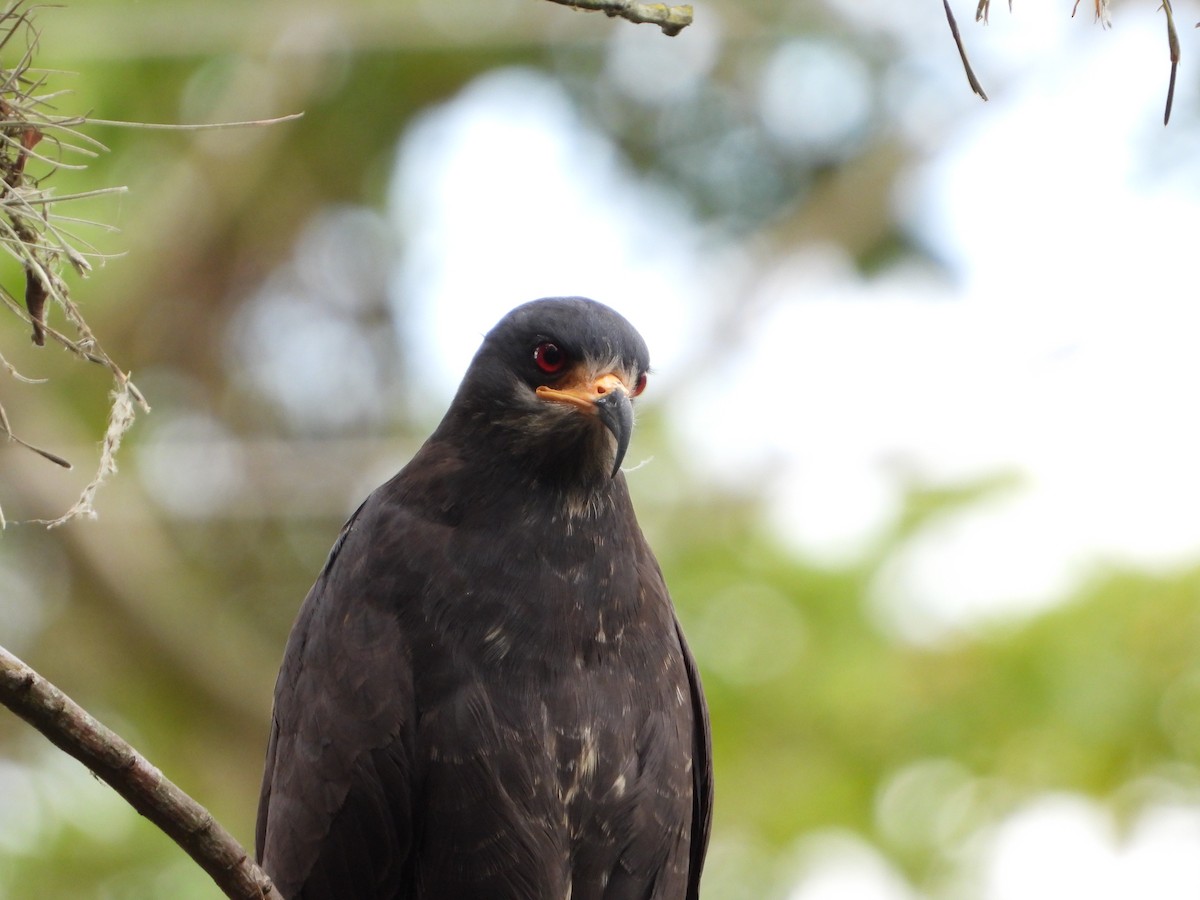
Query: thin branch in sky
(985,7)
(962,51)
(1103,16)
(1173,49)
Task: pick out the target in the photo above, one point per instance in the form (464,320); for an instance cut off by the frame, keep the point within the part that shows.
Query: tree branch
(73,730)
(981,12)
(671,19)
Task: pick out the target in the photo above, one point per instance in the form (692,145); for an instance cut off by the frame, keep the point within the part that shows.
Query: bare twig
(12,370)
(985,7)
(203,126)
(671,19)
(45,454)
(8,434)
(36,235)
(31,232)
(1173,48)
(73,730)
(962,51)
(1103,14)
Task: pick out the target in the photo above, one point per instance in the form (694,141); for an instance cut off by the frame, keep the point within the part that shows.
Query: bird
(487,692)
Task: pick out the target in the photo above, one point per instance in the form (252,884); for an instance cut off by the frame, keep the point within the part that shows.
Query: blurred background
(918,454)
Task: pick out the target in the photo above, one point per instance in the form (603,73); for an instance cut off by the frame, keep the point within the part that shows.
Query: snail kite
(486,694)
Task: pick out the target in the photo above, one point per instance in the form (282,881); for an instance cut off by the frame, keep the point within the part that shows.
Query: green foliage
(169,626)
(1093,697)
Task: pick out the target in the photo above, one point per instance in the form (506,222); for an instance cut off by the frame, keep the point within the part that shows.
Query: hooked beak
(607,398)
(616,412)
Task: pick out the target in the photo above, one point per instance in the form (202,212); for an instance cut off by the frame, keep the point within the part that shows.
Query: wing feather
(335,814)
(702,773)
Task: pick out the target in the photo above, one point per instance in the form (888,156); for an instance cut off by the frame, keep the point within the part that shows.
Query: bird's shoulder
(349,639)
(340,756)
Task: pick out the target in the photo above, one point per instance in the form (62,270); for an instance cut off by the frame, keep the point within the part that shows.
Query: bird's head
(551,387)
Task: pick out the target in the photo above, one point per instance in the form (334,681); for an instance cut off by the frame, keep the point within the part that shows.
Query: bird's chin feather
(555,442)
(562,444)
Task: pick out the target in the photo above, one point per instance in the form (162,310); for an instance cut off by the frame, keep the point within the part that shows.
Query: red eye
(640,386)
(549,357)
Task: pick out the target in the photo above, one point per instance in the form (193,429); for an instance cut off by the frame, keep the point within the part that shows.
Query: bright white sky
(1055,847)
(1062,349)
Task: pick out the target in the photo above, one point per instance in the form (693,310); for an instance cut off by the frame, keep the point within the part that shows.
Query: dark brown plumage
(486,693)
